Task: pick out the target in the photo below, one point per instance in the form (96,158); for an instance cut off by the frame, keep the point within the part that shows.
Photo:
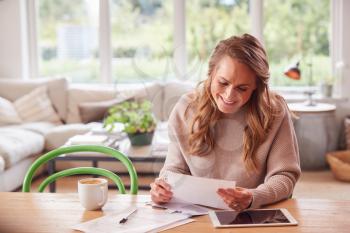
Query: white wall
(13,51)
(346,49)
(343,107)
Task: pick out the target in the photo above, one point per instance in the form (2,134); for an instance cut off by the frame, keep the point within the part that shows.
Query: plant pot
(141,139)
(326,90)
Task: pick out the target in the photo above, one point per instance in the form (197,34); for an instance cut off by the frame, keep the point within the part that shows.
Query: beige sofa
(21,143)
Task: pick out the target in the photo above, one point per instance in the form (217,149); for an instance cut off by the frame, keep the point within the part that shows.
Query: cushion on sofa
(8,113)
(97,111)
(149,91)
(13,89)
(172,93)
(79,94)
(16,144)
(83,94)
(36,106)
(41,128)
(154,93)
(59,135)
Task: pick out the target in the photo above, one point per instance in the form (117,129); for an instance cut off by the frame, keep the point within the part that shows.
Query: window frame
(180,52)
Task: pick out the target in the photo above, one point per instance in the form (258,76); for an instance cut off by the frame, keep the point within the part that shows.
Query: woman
(234,128)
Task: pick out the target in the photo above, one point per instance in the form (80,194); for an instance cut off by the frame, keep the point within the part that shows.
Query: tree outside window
(142,37)
(297,30)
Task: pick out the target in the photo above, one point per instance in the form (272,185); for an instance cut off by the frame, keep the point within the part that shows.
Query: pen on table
(125,218)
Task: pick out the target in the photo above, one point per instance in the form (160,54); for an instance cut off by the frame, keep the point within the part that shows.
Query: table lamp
(294,72)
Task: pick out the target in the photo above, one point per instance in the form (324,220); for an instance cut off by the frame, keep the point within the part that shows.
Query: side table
(316,133)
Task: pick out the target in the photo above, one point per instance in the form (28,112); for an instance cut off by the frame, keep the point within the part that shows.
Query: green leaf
(136,116)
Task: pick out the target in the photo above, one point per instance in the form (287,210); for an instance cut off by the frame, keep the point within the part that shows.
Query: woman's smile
(228,102)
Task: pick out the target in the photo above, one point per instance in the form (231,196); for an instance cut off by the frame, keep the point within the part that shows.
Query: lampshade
(293,72)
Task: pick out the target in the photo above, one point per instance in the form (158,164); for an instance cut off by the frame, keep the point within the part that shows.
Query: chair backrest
(82,170)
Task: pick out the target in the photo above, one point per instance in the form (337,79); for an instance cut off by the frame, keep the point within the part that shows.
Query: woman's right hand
(160,191)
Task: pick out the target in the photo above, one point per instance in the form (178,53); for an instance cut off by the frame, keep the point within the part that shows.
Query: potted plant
(137,118)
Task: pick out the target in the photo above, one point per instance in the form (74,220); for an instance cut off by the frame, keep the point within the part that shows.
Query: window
(68,39)
(142,37)
(142,40)
(208,22)
(298,30)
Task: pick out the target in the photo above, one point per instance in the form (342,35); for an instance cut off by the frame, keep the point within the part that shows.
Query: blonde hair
(261,107)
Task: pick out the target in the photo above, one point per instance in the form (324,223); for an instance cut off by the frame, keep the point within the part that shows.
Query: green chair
(82,170)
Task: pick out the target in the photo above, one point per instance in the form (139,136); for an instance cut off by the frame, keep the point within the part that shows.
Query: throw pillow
(8,113)
(97,111)
(36,106)
(13,89)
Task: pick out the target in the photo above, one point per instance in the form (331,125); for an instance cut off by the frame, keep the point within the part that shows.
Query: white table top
(319,107)
(58,212)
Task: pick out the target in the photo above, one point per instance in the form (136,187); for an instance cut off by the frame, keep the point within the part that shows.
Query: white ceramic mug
(93,193)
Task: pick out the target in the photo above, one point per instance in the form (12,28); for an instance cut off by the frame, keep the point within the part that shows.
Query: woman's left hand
(236,198)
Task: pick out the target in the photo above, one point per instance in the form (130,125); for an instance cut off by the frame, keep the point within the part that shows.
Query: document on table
(197,190)
(145,219)
(184,208)
(88,139)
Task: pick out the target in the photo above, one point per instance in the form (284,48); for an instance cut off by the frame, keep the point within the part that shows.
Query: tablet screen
(251,217)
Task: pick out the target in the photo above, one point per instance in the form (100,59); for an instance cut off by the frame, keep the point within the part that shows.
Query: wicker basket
(340,164)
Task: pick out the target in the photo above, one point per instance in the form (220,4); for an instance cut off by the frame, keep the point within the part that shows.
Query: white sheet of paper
(143,220)
(197,190)
(183,208)
(173,225)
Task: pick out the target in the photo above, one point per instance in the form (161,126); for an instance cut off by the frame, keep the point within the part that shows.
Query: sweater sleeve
(282,166)
(177,130)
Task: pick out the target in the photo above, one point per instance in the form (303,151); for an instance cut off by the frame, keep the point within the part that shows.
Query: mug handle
(103,195)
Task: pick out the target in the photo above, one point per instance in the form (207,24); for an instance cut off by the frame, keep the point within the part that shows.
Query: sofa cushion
(149,91)
(36,106)
(83,94)
(172,93)
(13,89)
(16,144)
(41,128)
(8,113)
(59,135)
(97,111)
(154,93)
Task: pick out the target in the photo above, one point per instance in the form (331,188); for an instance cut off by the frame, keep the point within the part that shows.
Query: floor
(312,184)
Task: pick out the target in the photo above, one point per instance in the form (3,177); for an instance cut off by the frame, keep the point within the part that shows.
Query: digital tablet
(252,218)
